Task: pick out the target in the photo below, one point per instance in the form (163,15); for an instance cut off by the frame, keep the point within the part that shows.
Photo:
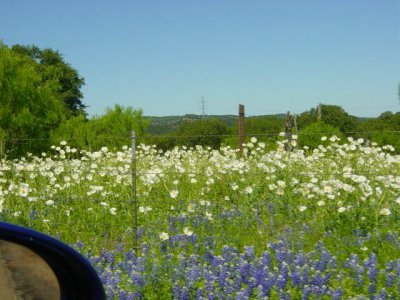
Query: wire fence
(59,196)
(128,137)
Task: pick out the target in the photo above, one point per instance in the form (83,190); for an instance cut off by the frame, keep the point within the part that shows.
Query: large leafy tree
(113,129)
(332,115)
(52,67)
(207,132)
(29,105)
(383,130)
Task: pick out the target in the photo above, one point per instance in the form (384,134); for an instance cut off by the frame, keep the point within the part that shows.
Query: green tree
(333,115)
(207,132)
(264,125)
(382,130)
(264,128)
(29,105)
(73,130)
(311,135)
(114,128)
(51,65)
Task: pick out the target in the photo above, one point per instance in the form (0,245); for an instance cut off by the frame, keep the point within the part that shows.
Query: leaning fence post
(133,192)
(241,128)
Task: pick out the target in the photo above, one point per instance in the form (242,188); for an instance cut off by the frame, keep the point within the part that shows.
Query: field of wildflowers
(215,224)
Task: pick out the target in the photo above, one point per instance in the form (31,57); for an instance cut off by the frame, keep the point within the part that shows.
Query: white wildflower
(302,208)
(23,189)
(164,236)
(187,231)
(385,212)
(174,194)
(49,202)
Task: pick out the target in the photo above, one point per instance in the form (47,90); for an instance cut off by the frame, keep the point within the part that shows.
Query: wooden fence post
(134,193)
(288,132)
(319,112)
(241,128)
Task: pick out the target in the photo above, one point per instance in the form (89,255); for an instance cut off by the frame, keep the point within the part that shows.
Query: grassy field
(214,224)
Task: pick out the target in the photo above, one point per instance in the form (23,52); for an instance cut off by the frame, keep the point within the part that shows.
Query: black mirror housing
(76,278)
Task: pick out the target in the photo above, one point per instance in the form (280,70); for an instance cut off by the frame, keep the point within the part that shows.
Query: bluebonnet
(390,279)
(382,295)
(33,214)
(296,276)
(249,253)
(353,263)
(140,232)
(199,294)
(283,276)
(371,266)
(306,291)
(176,291)
(243,275)
(185,293)
(337,294)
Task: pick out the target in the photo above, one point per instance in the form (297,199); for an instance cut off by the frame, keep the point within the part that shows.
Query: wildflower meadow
(317,223)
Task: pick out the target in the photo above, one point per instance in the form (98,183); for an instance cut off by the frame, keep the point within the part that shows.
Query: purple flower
(185,293)
(249,253)
(299,260)
(191,275)
(372,270)
(337,294)
(306,291)
(283,276)
(176,291)
(199,294)
(296,276)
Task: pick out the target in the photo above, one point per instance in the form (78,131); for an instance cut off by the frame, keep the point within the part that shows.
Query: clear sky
(271,56)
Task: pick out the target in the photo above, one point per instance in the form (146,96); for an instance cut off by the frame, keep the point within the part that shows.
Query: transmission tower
(203,107)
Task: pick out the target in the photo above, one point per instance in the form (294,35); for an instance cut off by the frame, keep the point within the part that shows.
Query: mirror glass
(25,275)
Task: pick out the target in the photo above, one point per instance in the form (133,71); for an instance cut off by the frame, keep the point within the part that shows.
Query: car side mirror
(36,266)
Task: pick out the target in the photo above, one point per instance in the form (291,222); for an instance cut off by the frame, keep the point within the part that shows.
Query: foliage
(332,115)
(169,124)
(113,129)
(383,130)
(311,135)
(29,105)
(267,223)
(52,67)
(207,132)
(75,130)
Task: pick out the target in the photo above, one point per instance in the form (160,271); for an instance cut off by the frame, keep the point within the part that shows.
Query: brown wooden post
(134,194)
(288,133)
(241,128)
(319,112)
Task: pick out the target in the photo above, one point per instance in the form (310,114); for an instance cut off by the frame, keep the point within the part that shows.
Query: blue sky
(271,56)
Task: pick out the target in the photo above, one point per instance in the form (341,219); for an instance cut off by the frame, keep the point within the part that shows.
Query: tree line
(41,104)
(310,127)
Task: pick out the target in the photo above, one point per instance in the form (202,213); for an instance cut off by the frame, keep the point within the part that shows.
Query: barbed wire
(275,134)
(169,172)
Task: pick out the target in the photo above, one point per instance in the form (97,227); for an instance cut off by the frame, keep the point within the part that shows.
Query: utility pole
(203,108)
